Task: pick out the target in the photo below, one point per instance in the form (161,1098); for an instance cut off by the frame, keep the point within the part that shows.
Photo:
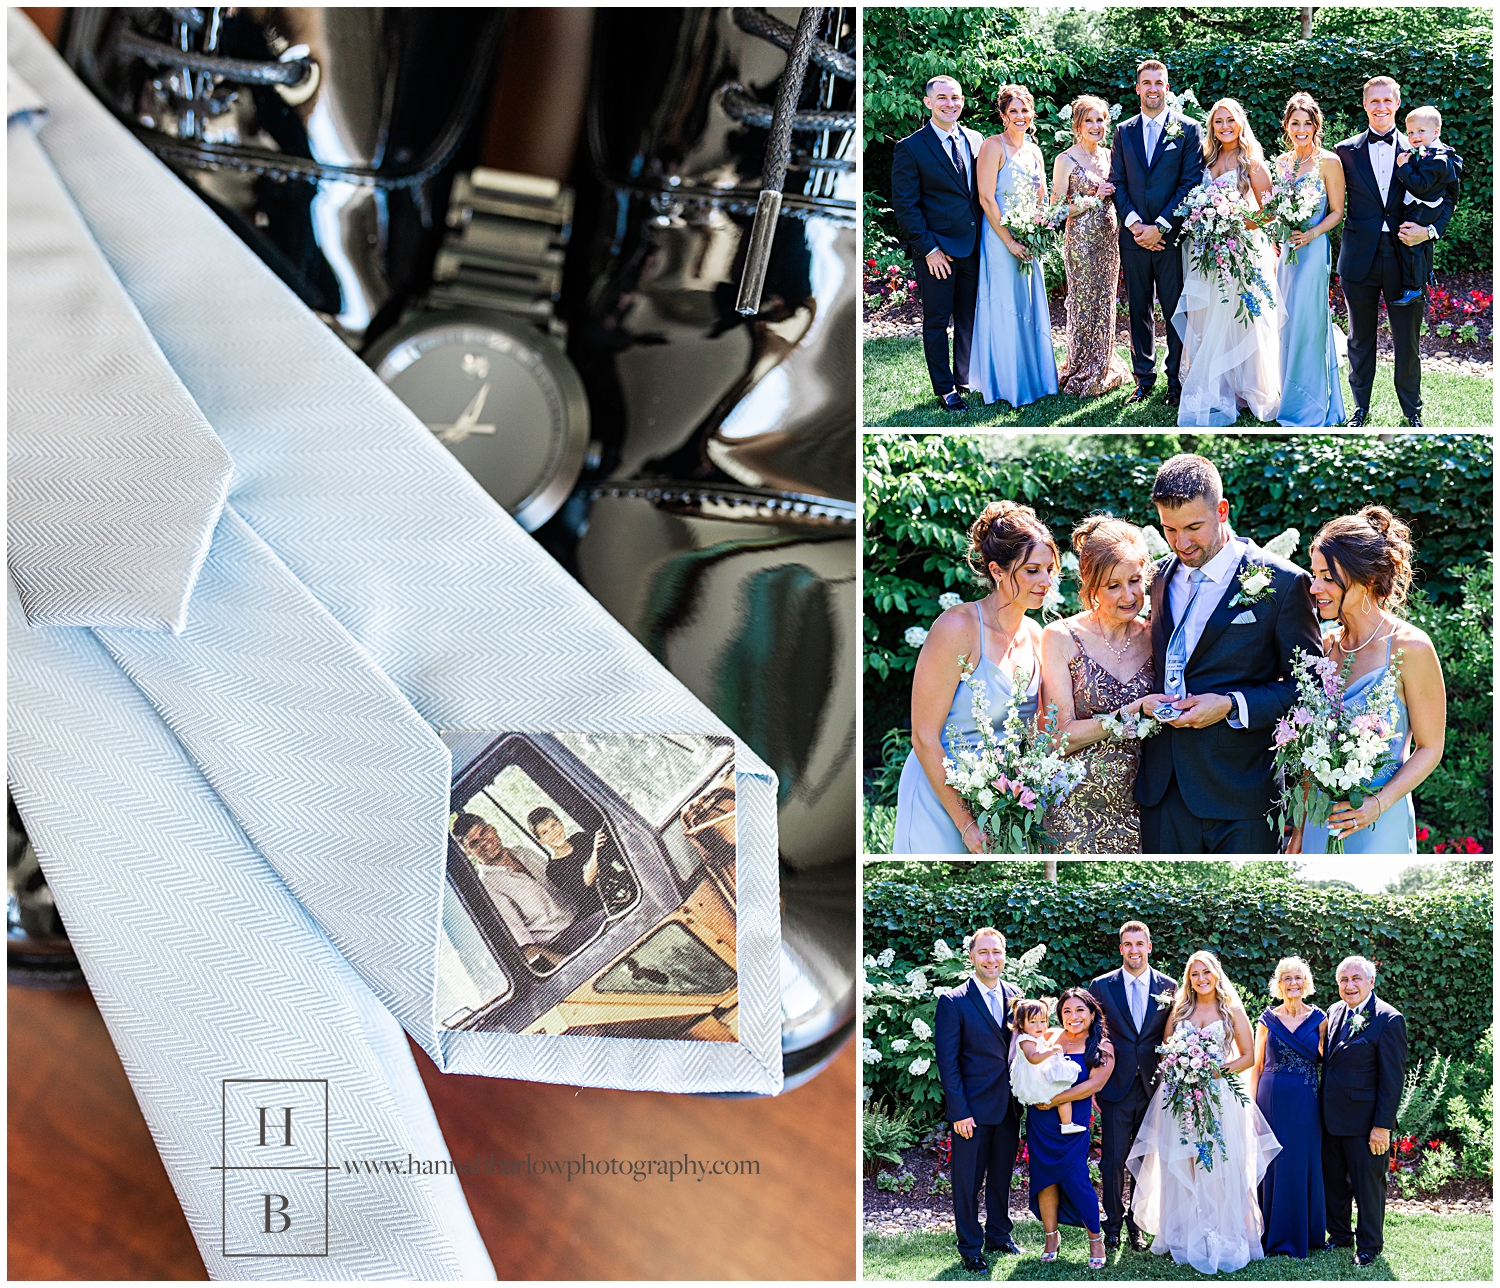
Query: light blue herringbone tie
(1177,646)
(245,823)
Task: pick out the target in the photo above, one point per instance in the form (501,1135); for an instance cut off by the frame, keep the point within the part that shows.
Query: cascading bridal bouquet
(1326,751)
(1217,224)
(1192,1069)
(1010,779)
(1037,227)
(1291,204)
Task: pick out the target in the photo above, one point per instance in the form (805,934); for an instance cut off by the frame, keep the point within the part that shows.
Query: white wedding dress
(1227,365)
(1209,1220)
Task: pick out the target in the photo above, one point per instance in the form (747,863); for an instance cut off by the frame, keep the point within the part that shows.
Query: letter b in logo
(275,1168)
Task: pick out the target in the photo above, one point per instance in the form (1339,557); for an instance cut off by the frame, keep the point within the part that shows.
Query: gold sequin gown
(1101,816)
(1091,255)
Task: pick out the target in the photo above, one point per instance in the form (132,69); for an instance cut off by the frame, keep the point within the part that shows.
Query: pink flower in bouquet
(1001,784)
(1302,717)
(1284,733)
(1027,797)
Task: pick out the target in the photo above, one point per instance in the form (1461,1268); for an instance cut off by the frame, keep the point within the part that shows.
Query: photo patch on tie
(591,886)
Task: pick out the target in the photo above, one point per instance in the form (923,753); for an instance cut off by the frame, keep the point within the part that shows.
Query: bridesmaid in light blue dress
(1361,566)
(1013,552)
(1310,348)
(1011,359)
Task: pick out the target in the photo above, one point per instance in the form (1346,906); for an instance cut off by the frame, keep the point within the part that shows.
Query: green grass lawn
(1416,1247)
(898,392)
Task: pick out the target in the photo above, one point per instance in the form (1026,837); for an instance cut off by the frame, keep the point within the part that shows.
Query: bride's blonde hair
(1187,999)
(1250,149)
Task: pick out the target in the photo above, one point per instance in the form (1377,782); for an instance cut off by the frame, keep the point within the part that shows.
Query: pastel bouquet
(1192,1074)
(1009,780)
(1217,223)
(1036,226)
(1292,203)
(1328,751)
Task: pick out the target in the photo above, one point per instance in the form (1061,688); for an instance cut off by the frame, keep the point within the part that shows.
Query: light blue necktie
(1138,1001)
(244,824)
(1177,646)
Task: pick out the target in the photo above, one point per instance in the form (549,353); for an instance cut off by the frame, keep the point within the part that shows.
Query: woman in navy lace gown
(1284,1081)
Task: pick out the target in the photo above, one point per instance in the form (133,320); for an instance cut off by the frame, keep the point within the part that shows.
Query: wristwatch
(482,360)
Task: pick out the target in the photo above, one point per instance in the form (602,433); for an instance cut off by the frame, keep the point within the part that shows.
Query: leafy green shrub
(896,1183)
(942,1185)
(885,1135)
(1476,1133)
(1434,949)
(879,828)
(1422,1095)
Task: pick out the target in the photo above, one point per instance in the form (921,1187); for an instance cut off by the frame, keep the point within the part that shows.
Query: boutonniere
(1357,1022)
(1164,999)
(1255,584)
(1174,129)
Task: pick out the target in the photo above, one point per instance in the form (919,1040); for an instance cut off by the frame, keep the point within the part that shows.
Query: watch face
(501,398)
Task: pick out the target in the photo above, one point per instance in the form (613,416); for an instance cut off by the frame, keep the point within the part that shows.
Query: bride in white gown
(1208,1219)
(1227,365)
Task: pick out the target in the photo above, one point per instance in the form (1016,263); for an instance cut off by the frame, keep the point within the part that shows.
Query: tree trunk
(1052,870)
(1307,14)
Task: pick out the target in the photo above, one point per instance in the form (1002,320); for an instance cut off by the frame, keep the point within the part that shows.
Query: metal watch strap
(508,235)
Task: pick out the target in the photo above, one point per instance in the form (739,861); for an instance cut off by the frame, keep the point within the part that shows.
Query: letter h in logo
(275,1167)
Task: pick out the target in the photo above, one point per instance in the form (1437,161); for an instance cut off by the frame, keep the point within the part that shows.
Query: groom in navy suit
(936,199)
(1369,265)
(1226,620)
(1364,1066)
(972,1033)
(1137,1022)
(1155,161)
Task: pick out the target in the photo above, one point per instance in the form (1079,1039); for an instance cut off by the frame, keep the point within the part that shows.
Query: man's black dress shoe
(1142,392)
(953,401)
(976,1265)
(1010,1246)
(1112,1241)
(1173,397)
(1137,1242)
(1363,1259)
(1357,420)
(1415,422)
(1340,1243)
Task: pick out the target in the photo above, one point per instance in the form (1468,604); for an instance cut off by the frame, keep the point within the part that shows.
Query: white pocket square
(1244,619)
(1169,147)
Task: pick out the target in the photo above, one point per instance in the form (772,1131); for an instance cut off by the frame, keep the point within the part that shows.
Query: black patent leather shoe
(1112,1241)
(1009,1246)
(1357,420)
(976,1265)
(1142,392)
(1363,1259)
(1173,397)
(1415,422)
(1340,1243)
(953,401)
(1137,1241)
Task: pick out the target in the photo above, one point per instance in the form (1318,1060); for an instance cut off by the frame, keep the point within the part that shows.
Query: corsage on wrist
(1125,725)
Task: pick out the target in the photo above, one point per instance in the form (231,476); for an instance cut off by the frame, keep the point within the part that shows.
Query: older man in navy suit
(972,1035)
(1155,161)
(936,200)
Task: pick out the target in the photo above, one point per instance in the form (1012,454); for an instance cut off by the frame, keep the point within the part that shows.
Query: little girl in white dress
(1039,1069)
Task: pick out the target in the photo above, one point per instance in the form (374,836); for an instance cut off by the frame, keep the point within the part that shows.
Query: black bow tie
(1384,138)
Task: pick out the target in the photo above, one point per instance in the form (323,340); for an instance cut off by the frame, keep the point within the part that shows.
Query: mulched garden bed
(1453,300)
(921,1209)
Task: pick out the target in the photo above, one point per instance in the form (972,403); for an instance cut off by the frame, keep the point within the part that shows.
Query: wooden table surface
(89,1198)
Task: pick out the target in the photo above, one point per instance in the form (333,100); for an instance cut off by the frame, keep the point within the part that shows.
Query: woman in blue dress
(1011,551)
(1362,566)
(1311,345)
(1061,1191)
(1011,358)
(1284,1083)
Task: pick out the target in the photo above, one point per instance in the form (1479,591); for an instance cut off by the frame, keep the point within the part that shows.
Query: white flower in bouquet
(916,636)
(1221,246)
(949,599)
(1290,207)
(1128,725)
(1192,1075)
(1036,226)
(919,1066)
(921,1028)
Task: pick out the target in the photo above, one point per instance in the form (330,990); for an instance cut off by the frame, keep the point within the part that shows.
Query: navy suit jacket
(1135,1051)
(1227,772)
(1363,1072)
(933,206)
(1364,212)
(973,1055)
(1159,188)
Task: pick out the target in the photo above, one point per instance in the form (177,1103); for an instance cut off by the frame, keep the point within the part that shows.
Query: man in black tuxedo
(1155,161)
(972,1035)
(1364,1065)
(1369,265)
(1226,620)
(1137,1022)
(936,199)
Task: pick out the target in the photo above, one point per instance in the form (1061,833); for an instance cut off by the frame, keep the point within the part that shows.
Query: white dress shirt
(957,132)
(1383,162)
(994,1001)
(1218,574)
(1151,136)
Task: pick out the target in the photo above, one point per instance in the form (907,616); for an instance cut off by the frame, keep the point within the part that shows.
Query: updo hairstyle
(1372,548)
(1007,94)
(1082,106)
(1005,534)
(1303,102)
(1101,542)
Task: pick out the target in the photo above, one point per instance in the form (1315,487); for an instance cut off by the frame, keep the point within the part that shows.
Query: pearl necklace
(1118,652)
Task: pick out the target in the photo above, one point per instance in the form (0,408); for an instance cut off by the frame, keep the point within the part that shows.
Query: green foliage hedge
(1434,950)
(984,48)
(922,491)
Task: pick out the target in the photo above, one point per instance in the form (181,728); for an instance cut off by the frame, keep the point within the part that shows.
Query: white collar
(1159,119)
(955,132)
(1219,568)
(986,988)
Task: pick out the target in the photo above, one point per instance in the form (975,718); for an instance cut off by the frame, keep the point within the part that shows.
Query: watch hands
(468,422)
